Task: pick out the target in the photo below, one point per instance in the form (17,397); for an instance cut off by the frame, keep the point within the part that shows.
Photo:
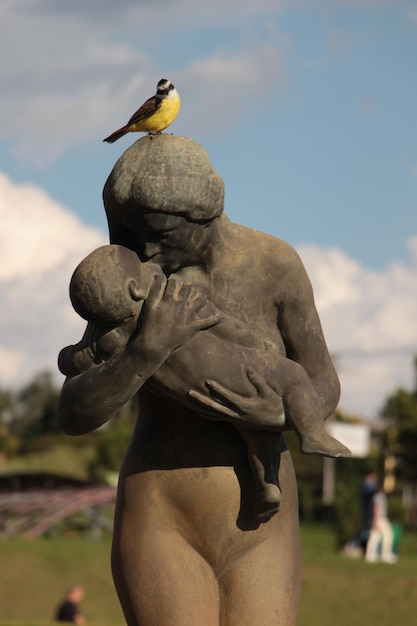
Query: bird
(156,114)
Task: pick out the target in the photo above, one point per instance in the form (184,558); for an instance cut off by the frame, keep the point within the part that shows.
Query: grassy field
(336,591)
(34,576)
(345,592)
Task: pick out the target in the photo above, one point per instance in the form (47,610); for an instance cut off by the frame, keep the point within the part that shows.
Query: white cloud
(222,86)
(412,14)
(76,69)
(369,322)
(40,245)
(36,231)
(63,79)
(158,15)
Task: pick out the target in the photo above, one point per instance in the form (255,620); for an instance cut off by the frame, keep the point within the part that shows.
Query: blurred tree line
(400,438)
(29,434)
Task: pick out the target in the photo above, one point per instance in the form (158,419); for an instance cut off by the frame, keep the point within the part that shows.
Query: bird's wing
(148,108)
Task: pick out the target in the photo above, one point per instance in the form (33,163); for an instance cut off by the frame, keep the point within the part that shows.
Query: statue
(213,326)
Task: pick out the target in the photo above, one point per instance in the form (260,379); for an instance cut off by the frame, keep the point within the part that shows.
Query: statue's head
(161,197)
(167,174)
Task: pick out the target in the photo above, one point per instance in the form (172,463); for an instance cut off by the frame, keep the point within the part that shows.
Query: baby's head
(110,284)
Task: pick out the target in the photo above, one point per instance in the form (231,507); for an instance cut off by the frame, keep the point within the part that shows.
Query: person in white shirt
(381,531)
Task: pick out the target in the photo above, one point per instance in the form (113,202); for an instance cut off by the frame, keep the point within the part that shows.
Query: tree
(34,410)
(401,435)
(9,443)
(113,441)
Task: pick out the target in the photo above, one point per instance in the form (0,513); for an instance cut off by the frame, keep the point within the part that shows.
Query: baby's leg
(302,409)
(264,457)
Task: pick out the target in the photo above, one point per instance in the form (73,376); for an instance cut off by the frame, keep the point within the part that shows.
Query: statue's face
(171,241)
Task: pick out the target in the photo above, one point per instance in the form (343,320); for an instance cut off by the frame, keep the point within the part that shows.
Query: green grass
(345,592)
(58,457)
(34,576)
(337,591)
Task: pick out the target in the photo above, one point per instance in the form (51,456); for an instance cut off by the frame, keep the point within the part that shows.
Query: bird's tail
(116,135)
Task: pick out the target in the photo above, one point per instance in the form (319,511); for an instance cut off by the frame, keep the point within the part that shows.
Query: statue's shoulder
(263,246)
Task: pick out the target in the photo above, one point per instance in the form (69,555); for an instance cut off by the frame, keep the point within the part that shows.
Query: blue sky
(307,110)
(322,149)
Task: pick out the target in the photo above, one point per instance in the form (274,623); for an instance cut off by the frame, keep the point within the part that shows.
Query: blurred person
(381,532)
(356,547)
(368,489)
(68,610)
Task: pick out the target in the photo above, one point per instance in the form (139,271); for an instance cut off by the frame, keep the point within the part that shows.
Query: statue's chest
(242,291)
(249,300)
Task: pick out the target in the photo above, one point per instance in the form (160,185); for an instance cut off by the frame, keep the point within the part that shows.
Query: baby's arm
(235,331)
(172,313)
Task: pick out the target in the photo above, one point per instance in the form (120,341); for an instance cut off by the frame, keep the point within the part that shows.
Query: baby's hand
(110,343)
(263,409)
(172,313)
(73,360)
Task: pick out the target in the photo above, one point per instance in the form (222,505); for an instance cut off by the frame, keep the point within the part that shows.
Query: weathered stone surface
(198,540)
(166,173)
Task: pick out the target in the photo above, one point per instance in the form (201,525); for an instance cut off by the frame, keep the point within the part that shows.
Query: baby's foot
(268,503)
(323,444)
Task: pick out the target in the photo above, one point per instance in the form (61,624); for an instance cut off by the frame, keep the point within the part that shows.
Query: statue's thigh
(162,581)
(263,587)
(248,578)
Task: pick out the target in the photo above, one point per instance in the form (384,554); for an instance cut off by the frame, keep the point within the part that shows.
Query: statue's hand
(263,409)
(172,313)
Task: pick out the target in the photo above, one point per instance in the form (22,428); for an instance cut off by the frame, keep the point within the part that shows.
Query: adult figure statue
(187,549)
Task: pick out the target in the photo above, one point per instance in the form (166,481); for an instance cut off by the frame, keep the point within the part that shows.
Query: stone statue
(213,326)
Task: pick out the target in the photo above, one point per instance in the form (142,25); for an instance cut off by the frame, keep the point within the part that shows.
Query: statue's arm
(92,397)
(301,331)
(303,337)
(233,330)
(171,314)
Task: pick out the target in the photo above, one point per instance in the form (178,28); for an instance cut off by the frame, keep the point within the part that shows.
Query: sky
(307,109)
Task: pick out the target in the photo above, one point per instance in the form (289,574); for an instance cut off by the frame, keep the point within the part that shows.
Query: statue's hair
(167,174)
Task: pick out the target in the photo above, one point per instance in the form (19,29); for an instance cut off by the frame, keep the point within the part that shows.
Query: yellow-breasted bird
(156,114)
